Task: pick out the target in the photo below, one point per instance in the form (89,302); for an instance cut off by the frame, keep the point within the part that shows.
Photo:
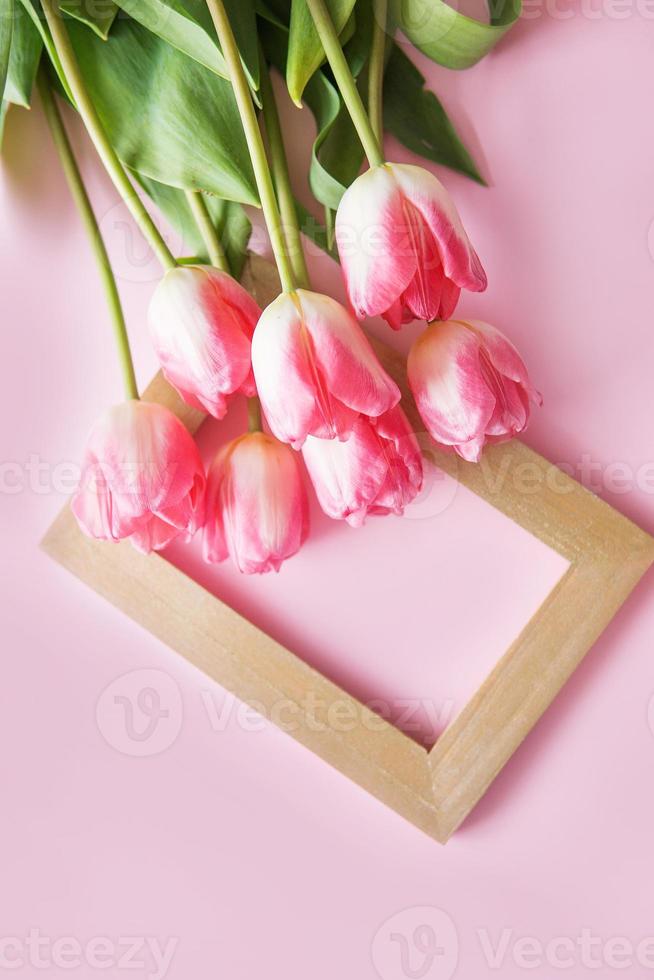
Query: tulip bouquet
(177,99)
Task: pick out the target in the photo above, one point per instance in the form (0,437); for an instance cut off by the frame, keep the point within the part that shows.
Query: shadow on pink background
(223,848)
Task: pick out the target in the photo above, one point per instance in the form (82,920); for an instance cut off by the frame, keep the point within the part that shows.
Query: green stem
(281,176)
(339,66)
(376,67)
(81,198)
(254,415)
(207,229)
(97,133)
(254,140)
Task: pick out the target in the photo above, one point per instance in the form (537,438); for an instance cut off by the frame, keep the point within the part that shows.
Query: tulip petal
(394,315)
(214,544)
(139,461)
(377,258)
(153,535)
(426,193)
(347,476)
(256,505)
(423,294)
(292,390)
(345,357)
(448,384)
(92,504)
(229,292)
(213,403)
(378,470)
(511,410)
(506,358)
(201,323)
(405,472)
(471,451)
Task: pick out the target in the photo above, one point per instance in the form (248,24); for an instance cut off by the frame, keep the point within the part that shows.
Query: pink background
(223,837)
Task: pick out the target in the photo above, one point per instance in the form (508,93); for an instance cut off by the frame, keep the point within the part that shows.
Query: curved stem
(81,198)
(338,64)
(207,229)
(281,177)
(254,415)
(97,133)
(254,140)
(376,67)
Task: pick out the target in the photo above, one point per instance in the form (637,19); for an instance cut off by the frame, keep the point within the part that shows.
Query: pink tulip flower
(201,323)
(404,251)
(142,478)
(378,470)
(315,369)
(470,385)
(257,507)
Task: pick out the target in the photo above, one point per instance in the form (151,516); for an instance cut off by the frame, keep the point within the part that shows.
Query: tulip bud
(470,385)
(404,251)
(315,369)
(378,470)
(201,323)
(142,478)
(257,507)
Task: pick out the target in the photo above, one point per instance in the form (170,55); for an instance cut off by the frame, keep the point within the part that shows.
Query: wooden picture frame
(434,789)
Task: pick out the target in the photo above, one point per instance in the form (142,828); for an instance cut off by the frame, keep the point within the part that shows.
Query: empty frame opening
(407,614)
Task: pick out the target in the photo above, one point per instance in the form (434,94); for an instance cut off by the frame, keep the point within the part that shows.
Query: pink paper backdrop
(218,847)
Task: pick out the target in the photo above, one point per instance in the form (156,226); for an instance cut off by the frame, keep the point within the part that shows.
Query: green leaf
(99,15)
(451,38)
(305,52)
(231,222)
(187,25)
(26,46)
(337,153)
(168,117)
(34,13)
(277,12)
(416,117)
(6,30)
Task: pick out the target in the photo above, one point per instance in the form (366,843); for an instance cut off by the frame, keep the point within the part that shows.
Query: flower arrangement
(176,97)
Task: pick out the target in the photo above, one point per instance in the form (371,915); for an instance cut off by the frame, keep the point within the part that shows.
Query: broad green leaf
(168,117)
(337,153)
(99,15)
(451,38)
(416,118)
(305,53)
(187,25)
(34,13)
(172,22)
(6,30)
(231,222)
(26,46)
